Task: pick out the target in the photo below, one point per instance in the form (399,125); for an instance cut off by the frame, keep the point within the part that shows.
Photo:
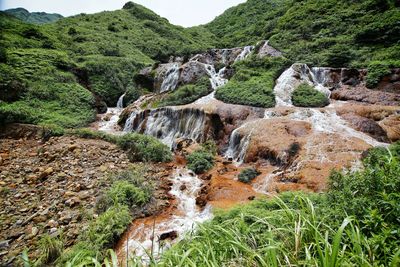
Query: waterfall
(329,122)
(129,122)
(183,219)
(168,124)
(171,79)
(238,146)
(297,74)
(245,53)
(120,103)
(216,79)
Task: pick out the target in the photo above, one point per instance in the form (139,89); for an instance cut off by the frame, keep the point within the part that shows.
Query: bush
(188,93)
(102,234)
(247,175)
(306,96)
(125,193)
(144,148)
(376,71)
(253,82)
(139,147)
(200,161)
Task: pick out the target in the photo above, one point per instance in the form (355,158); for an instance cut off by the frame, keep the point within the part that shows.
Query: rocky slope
(52,187)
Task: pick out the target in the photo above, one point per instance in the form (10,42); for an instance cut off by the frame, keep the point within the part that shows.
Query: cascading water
(168,124)
(110,119)
(296,75)
(183,219)
(216,79)
(120,103)
(238,146)
(245,53)
(171,79)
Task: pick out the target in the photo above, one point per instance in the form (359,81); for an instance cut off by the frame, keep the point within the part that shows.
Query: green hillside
(33,17)
(327,32)
(50,69)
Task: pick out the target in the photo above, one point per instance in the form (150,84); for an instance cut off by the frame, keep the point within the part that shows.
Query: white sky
(179,12)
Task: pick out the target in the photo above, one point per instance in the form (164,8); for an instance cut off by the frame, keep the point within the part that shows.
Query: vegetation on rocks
(188,93)
(138,147)
(247,175)
(307,96)
(202,159)
(253,82)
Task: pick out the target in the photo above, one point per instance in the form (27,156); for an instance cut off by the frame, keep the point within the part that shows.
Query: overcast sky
(179,12)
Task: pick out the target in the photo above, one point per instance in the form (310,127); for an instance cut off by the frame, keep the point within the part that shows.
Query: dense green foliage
(49,72)
(33,17)
(138,147)
(333,33)
(36,85)
(247,175)
(202,159)
(188,93)
(307,96)
(253,82)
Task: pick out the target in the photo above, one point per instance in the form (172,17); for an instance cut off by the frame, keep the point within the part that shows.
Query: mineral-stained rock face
(363,94)
(366,125)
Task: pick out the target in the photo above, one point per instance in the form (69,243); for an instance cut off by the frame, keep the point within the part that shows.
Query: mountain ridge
(33,17)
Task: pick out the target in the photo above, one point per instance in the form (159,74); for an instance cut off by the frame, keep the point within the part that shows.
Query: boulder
(192,72)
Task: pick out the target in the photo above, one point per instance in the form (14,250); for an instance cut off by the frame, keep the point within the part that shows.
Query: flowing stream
(183,219)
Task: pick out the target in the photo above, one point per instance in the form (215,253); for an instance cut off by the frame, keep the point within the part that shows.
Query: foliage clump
(247,175)
(188,93)
(202,159)
(253,82)
(307,96)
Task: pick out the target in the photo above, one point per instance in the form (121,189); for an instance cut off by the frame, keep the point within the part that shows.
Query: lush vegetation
(33,17)
(138,147)
(37,84)
(202,159)
(247,175)
(188,93)
(253,82)
(59,73)
(307,96)
(335,33)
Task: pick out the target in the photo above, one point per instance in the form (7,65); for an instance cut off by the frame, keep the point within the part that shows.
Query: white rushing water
(120,103)
(109,121)
(245,53)
(185,188)
(171,79)
(297,74)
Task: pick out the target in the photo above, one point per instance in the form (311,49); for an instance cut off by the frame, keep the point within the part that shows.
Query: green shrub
(306,96)
(201,160)
(188,93)
(101,235)
(376,71)
(247,175)
(253,82)
(139,147)
(144,148)
(125,193)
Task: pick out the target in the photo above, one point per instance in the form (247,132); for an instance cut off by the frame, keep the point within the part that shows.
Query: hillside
(325,33)
(33,17)
(99,52)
